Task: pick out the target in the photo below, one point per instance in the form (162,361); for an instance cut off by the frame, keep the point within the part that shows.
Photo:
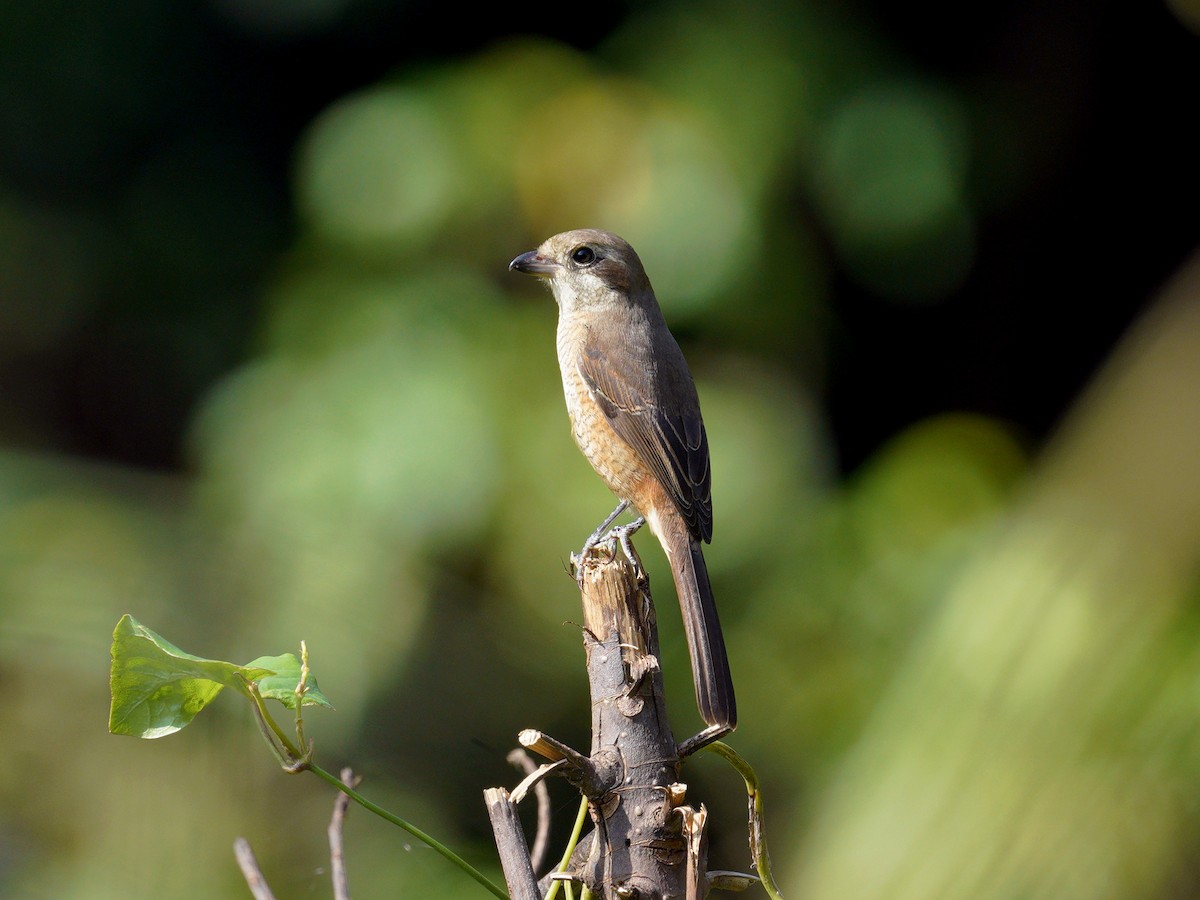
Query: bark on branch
(646,842)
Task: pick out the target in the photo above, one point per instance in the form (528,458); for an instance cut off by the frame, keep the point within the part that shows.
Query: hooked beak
(532,264)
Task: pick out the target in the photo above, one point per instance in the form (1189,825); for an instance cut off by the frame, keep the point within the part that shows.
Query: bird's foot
(623,532)
(602,533)
(607,534)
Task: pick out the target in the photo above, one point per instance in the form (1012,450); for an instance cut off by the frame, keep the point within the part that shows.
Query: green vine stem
(566,857)
(411,829)
(758,836)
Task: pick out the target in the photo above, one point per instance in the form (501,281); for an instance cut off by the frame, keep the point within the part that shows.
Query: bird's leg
(600,532)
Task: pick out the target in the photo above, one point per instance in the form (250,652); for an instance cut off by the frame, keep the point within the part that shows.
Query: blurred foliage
(264,378)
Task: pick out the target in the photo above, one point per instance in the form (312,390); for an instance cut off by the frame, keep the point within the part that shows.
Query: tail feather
(706,644)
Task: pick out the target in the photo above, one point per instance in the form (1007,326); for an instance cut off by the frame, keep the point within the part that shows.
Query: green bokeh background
(264,378)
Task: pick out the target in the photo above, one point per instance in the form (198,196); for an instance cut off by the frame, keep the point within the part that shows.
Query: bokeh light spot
(943,474)
(377,168)
(889,182)
(649,170)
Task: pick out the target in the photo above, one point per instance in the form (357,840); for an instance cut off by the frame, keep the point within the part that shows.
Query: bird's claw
(602,533)
(616,535)
(622,533)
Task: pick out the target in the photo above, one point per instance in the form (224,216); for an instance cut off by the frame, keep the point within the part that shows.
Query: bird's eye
(584,255)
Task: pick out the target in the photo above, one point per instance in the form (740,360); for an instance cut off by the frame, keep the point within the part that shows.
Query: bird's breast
(613,459)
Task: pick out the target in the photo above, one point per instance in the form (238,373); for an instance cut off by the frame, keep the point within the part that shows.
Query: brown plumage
(636,417)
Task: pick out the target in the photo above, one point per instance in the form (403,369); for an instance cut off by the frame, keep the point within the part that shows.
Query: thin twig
(251,871)
(511,844)
(536,778)
(541,839)
(416,832)
(337,850)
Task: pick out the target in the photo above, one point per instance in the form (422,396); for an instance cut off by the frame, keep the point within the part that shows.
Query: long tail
(706,644)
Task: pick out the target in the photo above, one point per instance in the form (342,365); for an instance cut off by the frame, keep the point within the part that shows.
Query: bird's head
(587,268)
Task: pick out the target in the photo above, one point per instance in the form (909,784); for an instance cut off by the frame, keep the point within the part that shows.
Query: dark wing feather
(673,444)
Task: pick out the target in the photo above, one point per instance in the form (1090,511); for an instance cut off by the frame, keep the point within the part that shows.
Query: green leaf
(281,685)
(158,689)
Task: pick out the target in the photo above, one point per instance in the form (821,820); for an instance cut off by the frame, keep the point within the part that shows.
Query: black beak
(532,264)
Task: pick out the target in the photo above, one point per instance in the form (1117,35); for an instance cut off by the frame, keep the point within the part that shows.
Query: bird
(635,414)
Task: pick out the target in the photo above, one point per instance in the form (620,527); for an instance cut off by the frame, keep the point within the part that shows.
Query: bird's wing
(673,445)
